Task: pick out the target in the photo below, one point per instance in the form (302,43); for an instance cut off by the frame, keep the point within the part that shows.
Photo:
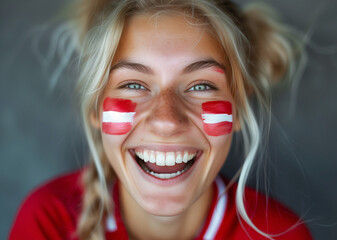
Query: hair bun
(272,44)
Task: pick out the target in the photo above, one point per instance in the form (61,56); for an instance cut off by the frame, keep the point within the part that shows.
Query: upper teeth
(165,158)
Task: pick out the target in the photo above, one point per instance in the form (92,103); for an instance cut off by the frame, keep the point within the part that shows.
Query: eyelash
(133,86)
(207,87)
(139,87)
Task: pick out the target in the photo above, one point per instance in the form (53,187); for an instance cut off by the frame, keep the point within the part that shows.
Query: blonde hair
(259,51)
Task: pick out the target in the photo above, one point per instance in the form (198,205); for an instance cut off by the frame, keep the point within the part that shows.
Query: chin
(164,207)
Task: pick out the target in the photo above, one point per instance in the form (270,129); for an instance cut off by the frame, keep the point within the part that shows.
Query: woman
(165,85)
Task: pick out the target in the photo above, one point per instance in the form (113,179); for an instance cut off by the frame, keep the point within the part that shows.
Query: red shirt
(51,213)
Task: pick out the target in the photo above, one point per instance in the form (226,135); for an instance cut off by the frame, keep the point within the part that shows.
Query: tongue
(165,169)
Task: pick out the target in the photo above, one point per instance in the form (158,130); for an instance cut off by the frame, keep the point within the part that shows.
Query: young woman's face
(165,75)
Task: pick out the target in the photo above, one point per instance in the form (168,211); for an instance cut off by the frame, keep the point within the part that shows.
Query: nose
(167,117)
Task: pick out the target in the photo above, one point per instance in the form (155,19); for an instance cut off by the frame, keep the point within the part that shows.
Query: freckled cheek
(217,118)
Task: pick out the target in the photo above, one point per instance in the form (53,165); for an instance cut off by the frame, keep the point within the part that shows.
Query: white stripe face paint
(216,118)
(118,117)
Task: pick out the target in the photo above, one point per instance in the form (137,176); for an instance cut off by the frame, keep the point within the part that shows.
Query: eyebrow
(207,63)
(132,66)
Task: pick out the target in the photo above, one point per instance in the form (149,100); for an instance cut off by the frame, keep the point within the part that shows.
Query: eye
(133,86)
(201,87)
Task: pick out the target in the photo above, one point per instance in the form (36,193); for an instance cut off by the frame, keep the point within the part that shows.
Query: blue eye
(201,87)
(135,86)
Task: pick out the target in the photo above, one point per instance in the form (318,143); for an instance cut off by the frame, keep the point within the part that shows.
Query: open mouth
(165,165)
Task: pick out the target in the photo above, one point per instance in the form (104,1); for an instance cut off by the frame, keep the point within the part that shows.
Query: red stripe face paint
(217,118)
(117,116)
(219,70)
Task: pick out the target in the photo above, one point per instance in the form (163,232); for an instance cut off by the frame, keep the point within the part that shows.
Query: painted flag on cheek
(217,118)
(117,116)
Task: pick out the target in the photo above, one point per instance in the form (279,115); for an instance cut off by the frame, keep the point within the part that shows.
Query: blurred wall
(41,137)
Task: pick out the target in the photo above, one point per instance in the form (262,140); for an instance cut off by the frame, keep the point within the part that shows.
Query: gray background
(40,133)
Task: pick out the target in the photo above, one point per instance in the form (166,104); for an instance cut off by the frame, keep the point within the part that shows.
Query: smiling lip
(165,163)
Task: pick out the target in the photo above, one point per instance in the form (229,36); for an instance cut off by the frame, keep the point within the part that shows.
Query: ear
(95,119)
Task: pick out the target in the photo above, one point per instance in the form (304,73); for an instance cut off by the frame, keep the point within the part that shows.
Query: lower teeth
(164,175)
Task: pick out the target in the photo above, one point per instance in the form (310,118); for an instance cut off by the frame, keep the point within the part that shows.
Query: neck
(143,225)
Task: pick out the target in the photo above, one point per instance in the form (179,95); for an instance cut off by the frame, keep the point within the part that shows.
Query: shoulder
(63,189)
(268,215)
(50,211)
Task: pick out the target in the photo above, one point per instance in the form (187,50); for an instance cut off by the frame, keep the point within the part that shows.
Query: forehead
(171,37)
